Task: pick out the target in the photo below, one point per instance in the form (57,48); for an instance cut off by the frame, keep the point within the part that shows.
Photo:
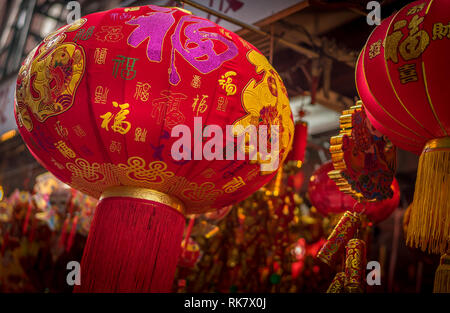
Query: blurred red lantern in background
(190,253)
(97,101)
(327,198)
(401,78)
(297,154)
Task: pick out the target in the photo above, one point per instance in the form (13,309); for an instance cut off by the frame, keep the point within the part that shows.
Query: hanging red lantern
(326,197)
(401,79)
(297,154)
(190,253)
(102,103)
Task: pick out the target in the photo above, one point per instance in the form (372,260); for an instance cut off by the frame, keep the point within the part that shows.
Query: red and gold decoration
(111,138)
(364,160)
(344,231)
(401,79)
(337,285)
(362,168)
(190,253)
(355,264)
(266,243)
(326,197)
(297,154)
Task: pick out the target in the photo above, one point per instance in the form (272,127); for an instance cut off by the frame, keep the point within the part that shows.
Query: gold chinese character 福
(120,125)
(416,42)
(142,91)
(226,81)
(100,55)
(201,107)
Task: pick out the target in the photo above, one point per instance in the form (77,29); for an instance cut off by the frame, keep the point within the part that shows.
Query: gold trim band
(145,194)
(442,143)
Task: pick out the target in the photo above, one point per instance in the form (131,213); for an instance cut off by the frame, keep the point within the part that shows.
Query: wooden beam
(277,16)
(335,101)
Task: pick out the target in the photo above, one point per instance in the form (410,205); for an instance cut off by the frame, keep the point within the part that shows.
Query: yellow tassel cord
(429,224)
(442,277)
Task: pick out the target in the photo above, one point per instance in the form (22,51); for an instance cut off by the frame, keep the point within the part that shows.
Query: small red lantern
(190,253)
(97,104)
(297,154)
(401,79)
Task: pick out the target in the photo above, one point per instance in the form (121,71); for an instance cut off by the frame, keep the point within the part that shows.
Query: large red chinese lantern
(326,197)
(98,103)
(402,80)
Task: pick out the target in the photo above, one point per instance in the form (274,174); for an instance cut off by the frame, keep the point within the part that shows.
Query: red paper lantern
(190,253)
(327,198)
(401,79)
(97,103)
(297,154)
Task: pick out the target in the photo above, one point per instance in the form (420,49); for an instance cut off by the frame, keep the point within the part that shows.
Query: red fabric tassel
(133,246)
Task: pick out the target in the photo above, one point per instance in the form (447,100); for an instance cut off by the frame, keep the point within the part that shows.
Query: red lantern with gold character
(102,104)
(401,79)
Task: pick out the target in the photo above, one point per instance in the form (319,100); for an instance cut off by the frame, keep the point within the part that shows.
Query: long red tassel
(133,246)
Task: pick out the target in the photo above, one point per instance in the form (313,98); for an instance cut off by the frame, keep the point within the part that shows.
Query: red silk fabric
(401,75)
(97,100)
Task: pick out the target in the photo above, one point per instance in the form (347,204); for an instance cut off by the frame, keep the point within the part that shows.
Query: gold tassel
(442,276)
(429,224)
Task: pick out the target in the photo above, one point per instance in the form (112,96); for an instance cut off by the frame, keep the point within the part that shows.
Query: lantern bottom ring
(437,144)
(144,194)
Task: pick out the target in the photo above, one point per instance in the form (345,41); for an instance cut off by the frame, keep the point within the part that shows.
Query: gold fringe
(442,276)
(429,224)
